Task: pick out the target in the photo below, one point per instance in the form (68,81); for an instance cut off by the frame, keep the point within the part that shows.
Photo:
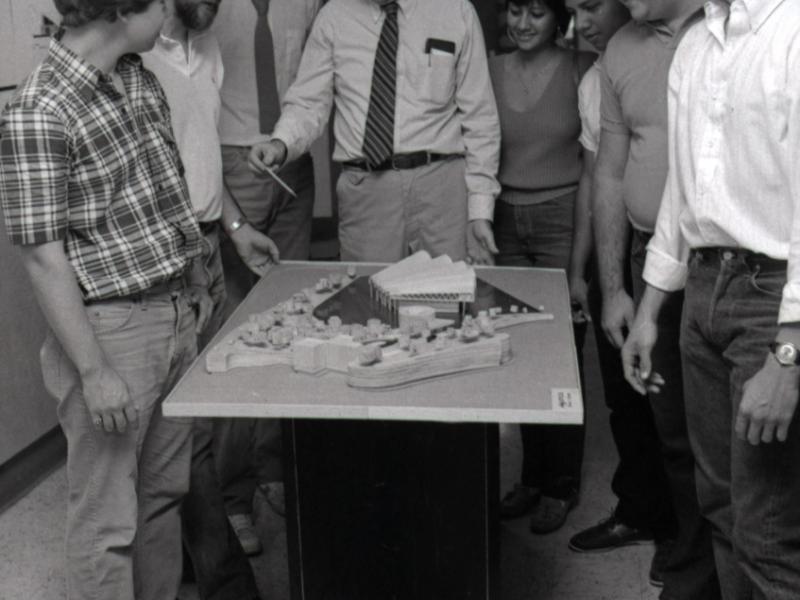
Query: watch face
(786,354)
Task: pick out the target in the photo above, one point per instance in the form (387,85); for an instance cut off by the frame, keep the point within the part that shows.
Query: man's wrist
(235,225)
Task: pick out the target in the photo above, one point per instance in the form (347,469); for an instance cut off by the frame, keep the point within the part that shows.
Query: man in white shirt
(261,42)
(416,126)
(728,233)
(187,62)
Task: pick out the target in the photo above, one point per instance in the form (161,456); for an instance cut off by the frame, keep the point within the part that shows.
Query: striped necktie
(379,130)
(269,107)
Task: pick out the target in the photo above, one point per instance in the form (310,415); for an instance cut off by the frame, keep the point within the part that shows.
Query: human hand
(618,313)
(255,249)
(578,299)
(266,155)
(636,356)
(768,403)
(480,242)
(108,400)
(203,305)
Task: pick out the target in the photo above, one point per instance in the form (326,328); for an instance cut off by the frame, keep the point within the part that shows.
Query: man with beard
(186,59)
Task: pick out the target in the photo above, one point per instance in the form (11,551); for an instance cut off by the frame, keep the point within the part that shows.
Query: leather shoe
(660,559)
(551,513)
(608,534)
(518,501)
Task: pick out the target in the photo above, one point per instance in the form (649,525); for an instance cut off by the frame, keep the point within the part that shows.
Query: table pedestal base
(391,510)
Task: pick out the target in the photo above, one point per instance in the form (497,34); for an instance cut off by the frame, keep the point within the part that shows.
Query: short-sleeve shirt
(589,108)
(80,163)
(635,70)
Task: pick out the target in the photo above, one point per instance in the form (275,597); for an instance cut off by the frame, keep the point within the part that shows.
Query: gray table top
(539,385)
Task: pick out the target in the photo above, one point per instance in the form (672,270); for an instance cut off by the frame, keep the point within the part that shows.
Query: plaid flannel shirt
(78,163)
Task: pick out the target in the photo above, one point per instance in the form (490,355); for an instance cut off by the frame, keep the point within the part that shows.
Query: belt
(170,286)
(207,227)
(411,160)
(717,254)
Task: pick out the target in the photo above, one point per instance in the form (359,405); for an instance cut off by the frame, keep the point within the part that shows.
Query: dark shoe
(608,534)
(659,563)
(551,513)
(275,496)
(518,502)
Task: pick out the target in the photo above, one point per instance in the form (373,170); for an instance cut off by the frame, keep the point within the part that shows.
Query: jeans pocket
(769,284)
(107,317)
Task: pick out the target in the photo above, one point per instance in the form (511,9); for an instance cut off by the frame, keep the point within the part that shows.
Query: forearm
(650,305)
(582,237)
(611,230)
(60,300)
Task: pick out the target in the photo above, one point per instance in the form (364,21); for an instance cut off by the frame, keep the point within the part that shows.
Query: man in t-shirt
(93,194)
(655,477)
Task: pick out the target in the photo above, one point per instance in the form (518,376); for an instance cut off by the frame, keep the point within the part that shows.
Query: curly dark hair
(558,7)
(76,13)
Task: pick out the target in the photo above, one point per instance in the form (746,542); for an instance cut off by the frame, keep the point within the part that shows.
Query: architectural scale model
(375,354)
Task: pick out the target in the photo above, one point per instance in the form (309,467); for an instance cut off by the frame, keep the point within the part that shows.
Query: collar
(405,6)
(665,34)
(85,77)
(758,11)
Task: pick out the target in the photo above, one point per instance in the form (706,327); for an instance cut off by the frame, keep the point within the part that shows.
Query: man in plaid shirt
(93,194)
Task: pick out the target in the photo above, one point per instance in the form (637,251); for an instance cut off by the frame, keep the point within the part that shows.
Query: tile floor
(532,567)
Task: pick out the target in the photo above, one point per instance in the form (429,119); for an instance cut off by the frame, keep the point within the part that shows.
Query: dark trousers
(667,485)
(750,494)
(540,235)
(221,569)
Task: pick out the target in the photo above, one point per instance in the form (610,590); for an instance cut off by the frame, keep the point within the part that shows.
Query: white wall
(20,21)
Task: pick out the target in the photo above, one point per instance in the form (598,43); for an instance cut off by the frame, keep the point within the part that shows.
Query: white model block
(340,351)
(308,355)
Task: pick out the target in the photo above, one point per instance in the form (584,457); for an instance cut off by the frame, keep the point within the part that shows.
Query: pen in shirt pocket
(441,47)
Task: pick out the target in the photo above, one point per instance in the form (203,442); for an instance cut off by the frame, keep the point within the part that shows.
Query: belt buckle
(394,161)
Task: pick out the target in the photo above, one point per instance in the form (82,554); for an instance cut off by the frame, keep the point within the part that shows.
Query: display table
(392,493)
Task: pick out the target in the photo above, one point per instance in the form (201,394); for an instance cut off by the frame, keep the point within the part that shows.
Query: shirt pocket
(436,77)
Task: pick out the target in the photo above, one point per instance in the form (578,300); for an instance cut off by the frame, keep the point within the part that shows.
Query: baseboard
(23,471)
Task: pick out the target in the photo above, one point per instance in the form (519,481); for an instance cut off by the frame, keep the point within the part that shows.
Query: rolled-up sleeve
(667,252)
(307,105)
(33,175)
(790,304)
(480,125)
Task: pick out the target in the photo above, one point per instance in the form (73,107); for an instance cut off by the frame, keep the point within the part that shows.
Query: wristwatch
(786,353)
(237,224)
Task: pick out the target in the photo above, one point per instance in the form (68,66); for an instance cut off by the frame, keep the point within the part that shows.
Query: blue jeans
(667,460)
(123,534)
(750,494)
(540,235)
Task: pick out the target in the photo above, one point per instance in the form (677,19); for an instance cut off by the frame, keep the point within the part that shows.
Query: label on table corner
(568,399)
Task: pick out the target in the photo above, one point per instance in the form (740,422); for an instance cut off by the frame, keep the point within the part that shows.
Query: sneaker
(660,559)
(608,534)
(518,502)
(246,532)
(551,513)
(275,495)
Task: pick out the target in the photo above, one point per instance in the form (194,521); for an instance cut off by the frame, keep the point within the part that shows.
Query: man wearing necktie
(261,42)
(416,126)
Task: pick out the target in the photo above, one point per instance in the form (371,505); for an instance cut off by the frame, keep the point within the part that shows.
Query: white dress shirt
(444,100)
(192,85)
(734,143)
(290,23)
